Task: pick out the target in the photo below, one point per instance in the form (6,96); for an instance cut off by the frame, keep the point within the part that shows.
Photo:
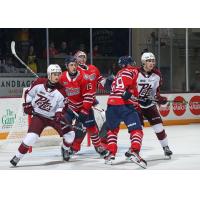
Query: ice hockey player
(120,107)
(81,93)
(97,81)
(45,101)
(149,82)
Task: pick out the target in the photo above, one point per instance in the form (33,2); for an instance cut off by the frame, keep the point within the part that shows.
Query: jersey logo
(72,91)
(92,77)
(146,90)
(43,103)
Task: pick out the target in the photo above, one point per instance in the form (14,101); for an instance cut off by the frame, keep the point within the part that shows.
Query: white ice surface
(184,141)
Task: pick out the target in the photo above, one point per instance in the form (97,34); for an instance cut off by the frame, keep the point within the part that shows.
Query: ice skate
(109,157)
(134,157)
(167,152)
(101,150)
(72,151)
(14,161)
(65,154)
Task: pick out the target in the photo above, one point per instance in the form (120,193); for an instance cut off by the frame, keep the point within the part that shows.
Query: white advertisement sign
(13,87)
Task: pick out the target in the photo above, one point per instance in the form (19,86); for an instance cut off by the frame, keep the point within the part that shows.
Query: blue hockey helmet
(69,59)
(125,60)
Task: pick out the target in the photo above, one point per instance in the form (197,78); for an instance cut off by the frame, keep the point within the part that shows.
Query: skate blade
(141,164)
(108,162)
(167,157)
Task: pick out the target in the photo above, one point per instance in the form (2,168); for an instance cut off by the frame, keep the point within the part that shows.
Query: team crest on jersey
(43,103)
(86,77)
(92,77)
(72,91)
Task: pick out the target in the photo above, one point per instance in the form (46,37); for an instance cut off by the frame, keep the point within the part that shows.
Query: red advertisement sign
(164,110)
(194,105)
(179,108)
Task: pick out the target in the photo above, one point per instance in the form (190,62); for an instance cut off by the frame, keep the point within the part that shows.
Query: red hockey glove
(28,108)
(59,116)
(161,100)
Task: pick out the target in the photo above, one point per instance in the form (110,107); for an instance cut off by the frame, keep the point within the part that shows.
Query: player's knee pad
(69,137)
(158,128)
(30,139)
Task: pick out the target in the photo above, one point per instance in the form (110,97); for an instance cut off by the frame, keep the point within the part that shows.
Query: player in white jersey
(45,101)
(149,82)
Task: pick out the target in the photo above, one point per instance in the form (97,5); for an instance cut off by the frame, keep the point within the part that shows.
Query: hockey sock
(162,137)
(28,141)
(112,140)
(22,150)
(68,138)
(136,140)
(93,131)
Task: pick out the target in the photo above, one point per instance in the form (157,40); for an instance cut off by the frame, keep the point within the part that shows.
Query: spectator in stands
(52,50)
(32,59)
(96,51)
(64,49)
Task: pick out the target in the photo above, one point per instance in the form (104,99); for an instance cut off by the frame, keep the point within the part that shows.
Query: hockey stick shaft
(156,100)
(20,60)
(62,122)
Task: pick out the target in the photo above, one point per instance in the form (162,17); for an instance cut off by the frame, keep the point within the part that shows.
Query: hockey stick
(62,122)
(19,59)
(156,100)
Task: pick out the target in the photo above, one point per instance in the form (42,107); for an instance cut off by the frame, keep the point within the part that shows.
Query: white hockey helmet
(77,56)
(147,56)
(52,69)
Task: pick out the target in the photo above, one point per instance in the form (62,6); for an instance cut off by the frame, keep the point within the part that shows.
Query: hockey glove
(162,100)
(95,102)
(59,116)
(126,95)
(83,115)
(145,102)
(28,108)
(108,82)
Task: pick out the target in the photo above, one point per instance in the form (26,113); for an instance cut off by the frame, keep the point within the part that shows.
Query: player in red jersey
(97,81)
(45,101)
(120,108)
(149,82)
(80,91)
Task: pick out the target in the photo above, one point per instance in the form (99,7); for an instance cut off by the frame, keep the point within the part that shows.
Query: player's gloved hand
(126,95)
(28,108)
(145,102)
(96,102)
(162,100)
(59,116)
(83,115)
(108,83)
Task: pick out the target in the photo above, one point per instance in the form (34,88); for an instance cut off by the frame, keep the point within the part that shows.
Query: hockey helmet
(81,57)
(125,60)
(147,56)
(69,59)
(53,68)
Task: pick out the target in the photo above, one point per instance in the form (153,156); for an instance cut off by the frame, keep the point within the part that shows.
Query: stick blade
(13,48)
